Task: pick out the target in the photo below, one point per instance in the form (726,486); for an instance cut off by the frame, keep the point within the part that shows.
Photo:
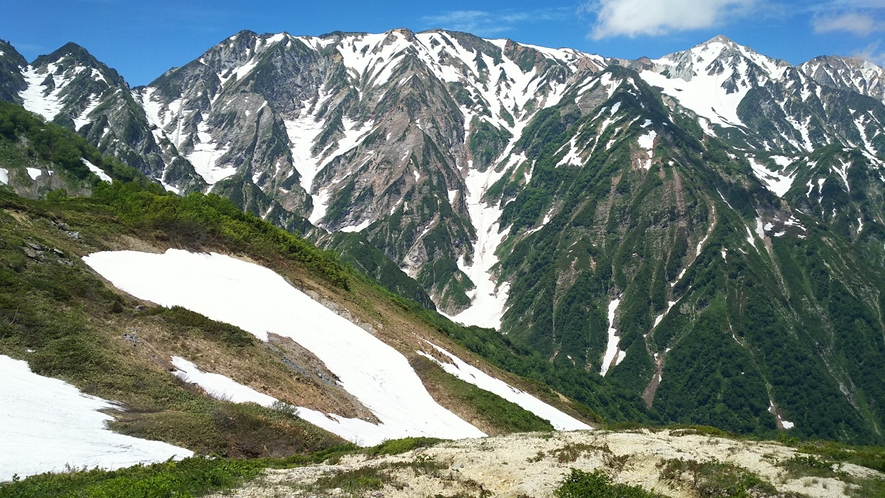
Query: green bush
(715,478)
(596,484)
(397,446)
(189,477)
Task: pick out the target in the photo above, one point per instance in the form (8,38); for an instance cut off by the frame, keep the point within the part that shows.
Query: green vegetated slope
(355,250)
(741,300)
(55,153)
(110,345)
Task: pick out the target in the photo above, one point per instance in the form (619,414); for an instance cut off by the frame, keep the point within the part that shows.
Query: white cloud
(858,23)
(483,23)
(658,17)
(461,20)
(871,53)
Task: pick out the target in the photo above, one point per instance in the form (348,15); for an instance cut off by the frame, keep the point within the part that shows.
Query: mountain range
(705,230)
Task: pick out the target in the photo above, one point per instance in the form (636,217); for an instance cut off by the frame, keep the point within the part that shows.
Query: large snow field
(259,301)
(47,425)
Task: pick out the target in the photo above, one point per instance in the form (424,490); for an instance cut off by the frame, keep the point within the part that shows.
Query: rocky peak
(407,33)
(714,55)
(10,54)
(72,59)
(12,64)
(847,73)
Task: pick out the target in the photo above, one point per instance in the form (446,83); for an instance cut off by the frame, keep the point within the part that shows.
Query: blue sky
(143,39)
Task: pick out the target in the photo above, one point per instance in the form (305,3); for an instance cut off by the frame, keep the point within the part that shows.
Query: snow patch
(776,182)
(488,299)
(700,246)
(171,188)
(786,424)
(219,386)
(573,156)
(303,132)
(49,424)
(611,351)
(35,98)
(83,118)
(647,142)
(703,94)
(4,176)
(205,156)
(34,173)
(480,379)
(842,171)
(357,228)
(260,301)
(95,169)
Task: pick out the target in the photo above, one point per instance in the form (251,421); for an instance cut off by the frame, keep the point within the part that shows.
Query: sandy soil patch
(535,464)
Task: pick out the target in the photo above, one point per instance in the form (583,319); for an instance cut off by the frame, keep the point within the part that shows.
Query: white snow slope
(260,301)
(47,424)
(702,86)
(612,352)
(475,376)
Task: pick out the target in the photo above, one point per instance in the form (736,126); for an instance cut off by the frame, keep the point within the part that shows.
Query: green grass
(872,457)
(826,464)
(596,484)
(808,465)
(503,415)
(190,322)
(189,477)
(56,314)
(715,478)
(357,480)
(398,446)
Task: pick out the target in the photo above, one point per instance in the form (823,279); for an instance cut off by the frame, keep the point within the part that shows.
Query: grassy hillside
(66,322)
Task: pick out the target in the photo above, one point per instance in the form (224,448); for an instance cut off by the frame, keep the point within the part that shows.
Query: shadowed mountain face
(705,230)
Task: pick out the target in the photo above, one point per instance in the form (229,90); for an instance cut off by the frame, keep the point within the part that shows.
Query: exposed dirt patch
(535,464)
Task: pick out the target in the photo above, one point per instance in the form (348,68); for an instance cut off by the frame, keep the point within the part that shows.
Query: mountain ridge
(612,215)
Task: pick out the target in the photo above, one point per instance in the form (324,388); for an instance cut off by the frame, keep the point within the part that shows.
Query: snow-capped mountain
(72,88)
(713,78)
(656,221)
(359,132)
(847,73)
(774,105)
